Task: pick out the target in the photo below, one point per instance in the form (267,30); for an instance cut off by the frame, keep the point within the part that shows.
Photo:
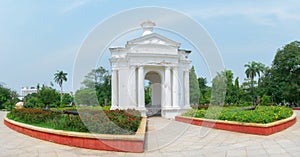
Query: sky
(37,38)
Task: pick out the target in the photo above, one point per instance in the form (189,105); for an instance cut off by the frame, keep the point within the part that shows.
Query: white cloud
(267,13)
(73,5)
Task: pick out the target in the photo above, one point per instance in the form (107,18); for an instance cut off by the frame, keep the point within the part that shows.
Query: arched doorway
(153,91)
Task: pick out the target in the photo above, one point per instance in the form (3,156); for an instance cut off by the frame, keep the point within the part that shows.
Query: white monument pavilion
(155,58)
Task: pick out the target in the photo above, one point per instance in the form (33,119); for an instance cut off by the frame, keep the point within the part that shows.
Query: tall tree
(48,96)
(237,91)
(95,77)
(4,96)
(285,73)
(100,81)
(59,78)
(253,69)
(218,91)
(86,96)
(204,97)
(261,69)
(229,87)
(8,97)
(194,87)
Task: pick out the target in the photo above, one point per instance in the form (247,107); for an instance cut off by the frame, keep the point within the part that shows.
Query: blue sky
(39,37)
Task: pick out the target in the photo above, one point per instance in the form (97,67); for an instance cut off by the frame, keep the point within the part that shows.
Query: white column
(141,99)
(114,89)
(186,89)
(133,85)
(175,91)
(167,87)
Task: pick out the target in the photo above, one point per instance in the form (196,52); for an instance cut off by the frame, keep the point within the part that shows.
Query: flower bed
(263,120)
(95,121)
(262,114)
(124,143)
(116,130)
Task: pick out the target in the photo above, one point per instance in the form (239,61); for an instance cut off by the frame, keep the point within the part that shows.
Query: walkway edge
(124,143)
(249,128)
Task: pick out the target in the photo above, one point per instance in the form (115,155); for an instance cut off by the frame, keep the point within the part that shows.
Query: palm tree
(59,78)
(261,69)
(251,71)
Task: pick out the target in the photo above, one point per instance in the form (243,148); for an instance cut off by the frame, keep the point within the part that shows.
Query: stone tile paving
(166,138)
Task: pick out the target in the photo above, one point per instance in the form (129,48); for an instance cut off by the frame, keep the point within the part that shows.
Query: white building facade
(157,59)
(28,90)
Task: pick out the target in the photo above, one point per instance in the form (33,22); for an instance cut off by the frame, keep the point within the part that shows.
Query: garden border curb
(249,128)
(123,143)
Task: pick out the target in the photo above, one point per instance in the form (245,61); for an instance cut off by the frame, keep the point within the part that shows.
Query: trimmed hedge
(95,121)
(262,114)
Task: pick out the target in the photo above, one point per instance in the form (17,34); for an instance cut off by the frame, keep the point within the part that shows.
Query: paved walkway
(166,138)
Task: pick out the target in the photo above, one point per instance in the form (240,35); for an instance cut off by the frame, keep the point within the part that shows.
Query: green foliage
(4,96)
(262,114)
(233,91)
(96,121)
(266,100)
(86,96)
(245,104)
(246,95)
(205,91)
(237,92)
(99,80)
(147,94)
(253,69)
(285,73)
(45,97)
(8,98)
(95,77)
(33,102)
(67,99)
(199,107)
(49,96)
(218,92)
(111,122)
(106,108)
(69,108)
(8,105)
(59,78)
(194,87)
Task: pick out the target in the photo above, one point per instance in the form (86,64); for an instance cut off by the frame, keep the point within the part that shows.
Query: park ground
(166,138)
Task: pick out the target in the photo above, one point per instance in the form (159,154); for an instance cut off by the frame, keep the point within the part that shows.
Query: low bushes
(96,121)
(262,114)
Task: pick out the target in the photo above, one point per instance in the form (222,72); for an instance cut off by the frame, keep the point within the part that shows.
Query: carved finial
(147,27)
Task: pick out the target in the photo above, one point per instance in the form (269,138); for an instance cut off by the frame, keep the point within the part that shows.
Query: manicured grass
(95,121)
(262,114)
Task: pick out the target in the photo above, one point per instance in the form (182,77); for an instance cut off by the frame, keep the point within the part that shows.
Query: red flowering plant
(95,121)
(112,121)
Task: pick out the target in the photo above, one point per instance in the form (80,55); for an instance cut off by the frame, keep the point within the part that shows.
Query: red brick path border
(113,144)
(249,128)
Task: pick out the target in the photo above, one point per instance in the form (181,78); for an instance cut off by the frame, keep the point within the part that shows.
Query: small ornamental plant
(95,121)
(261,114)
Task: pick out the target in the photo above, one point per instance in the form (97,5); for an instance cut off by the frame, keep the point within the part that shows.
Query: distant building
(26,90)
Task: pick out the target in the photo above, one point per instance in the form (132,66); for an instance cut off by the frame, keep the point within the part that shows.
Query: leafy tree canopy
(194,87)
(285,73)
